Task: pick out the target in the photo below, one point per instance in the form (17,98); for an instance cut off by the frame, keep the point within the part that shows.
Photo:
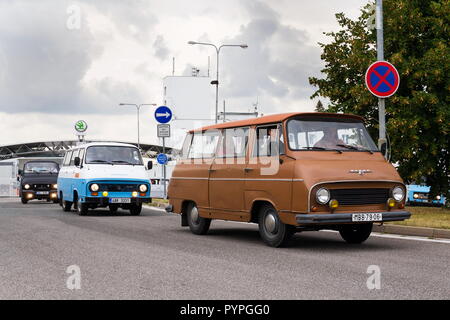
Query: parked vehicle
(288,173)
(104,175)
(420,195)
(38,181)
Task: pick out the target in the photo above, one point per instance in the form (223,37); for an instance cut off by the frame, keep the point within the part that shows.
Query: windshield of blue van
(113,155)
(41,167)
(329,134)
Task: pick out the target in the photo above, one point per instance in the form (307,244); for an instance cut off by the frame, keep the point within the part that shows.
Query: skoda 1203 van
(288,173)
(104,175)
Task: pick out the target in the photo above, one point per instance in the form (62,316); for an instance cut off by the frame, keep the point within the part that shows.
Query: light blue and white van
(104,175)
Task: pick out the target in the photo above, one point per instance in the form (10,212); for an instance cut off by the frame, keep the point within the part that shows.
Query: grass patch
(429,217)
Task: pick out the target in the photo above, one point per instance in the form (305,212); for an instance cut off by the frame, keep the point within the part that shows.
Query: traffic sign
(81,126)
(382,79)
(162,158)
(163,130)
(163,114)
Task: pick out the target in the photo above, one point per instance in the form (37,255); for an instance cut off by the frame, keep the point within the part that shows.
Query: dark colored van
(38,181)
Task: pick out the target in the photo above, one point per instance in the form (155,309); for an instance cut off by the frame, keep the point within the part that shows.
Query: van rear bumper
(333,218)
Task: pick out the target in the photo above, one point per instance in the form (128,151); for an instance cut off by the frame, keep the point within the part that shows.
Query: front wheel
(273,232)
(24,201)
(197,224)
(82,208)
(136,209)
(356,233)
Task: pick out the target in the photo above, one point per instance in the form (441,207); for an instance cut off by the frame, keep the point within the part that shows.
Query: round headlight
(398,194)
(55,186)
(322,196)
(27,186)
(143,188)
(94,187)
(438,197)
(415,195)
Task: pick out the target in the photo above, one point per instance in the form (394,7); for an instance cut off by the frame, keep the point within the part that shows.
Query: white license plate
(42,192)
(120,200)
(362,217)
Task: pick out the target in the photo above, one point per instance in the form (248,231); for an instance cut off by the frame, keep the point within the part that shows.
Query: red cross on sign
(382,79)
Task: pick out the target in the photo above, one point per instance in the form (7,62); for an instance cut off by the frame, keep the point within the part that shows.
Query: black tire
(113,208)
(66,205)
(197,224)
(82,208)
(272,231)
(56,201)
(24,201)
(135,209)
(356,233)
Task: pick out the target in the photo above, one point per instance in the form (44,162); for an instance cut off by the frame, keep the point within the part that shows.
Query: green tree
(416,34)
(320,107)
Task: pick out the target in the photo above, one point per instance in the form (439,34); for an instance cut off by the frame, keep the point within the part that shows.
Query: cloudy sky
(61,61)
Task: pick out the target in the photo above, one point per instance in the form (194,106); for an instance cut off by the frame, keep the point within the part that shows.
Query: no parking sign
(382,79)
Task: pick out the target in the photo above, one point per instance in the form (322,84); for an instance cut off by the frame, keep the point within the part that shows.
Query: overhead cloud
(161,50)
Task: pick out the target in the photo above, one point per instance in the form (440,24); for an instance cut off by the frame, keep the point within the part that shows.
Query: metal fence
(8,179)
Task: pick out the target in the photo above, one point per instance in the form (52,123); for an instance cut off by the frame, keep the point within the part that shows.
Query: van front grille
(360,196)
(119,187)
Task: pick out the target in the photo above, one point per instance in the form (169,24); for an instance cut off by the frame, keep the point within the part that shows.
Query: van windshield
(324,133)
(41,167)
(113,155)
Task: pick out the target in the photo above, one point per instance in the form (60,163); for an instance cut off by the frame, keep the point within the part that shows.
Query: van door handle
(248,169)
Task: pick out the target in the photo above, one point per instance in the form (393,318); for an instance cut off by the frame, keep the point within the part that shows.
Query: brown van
(288,173)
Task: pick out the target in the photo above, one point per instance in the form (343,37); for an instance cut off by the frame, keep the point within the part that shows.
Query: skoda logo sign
(361,171)
(81,126)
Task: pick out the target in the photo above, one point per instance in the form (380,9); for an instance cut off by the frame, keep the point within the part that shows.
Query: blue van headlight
(143,188)
(94,187)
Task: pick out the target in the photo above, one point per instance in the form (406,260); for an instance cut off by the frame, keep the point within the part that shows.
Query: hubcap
(194,214)
(270,223)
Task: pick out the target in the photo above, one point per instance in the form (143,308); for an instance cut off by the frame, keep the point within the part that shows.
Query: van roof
(274,118)
(113,144)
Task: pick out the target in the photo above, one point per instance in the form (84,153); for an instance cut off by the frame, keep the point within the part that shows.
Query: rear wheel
(66,205)
(273,232)
(356,233)
(135,209)
(197,224)
(82,208)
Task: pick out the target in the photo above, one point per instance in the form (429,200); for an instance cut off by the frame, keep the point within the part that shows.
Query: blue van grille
(119,187)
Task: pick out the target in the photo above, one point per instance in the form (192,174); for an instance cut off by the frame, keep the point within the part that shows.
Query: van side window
(74,155)
(204,144)
(81,155)
(186,144)
(233,143)
(67,158)
(269,141)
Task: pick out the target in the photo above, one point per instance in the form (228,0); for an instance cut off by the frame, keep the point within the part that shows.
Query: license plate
(362,217)
(42,192)
(120,200)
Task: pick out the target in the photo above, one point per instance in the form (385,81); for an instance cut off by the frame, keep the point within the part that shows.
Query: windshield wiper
(320,148)
(122,161)
(100,161)
(354,148)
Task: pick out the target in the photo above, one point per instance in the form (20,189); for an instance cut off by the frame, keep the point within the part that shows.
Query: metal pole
(217,84)
(380,57)
(224,111)
(139,145)
(164,169)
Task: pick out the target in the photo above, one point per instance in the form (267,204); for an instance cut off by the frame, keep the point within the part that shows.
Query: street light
(138,107)
(216,82)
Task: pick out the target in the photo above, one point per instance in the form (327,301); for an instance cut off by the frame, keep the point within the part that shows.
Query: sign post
(163,115)
(81,128)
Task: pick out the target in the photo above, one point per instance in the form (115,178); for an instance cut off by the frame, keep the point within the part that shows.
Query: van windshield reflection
(113,155)
(329,134)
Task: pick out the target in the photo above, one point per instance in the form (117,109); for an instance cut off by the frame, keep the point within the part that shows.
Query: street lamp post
(216,82)
(138,107)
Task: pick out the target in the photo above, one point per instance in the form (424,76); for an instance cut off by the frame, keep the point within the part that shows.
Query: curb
(412,231)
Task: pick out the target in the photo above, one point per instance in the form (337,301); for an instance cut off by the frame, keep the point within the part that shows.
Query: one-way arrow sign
(163,114)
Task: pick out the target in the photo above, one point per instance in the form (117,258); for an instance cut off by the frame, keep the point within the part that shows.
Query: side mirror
(383,149)
(150,165)
(77,161)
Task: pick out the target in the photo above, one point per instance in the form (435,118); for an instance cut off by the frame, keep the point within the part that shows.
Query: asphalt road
(152,257)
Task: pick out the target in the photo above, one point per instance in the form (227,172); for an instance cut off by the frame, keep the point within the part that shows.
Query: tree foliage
(416,39)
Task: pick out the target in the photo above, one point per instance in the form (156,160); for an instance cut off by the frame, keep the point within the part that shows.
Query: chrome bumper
(333,218)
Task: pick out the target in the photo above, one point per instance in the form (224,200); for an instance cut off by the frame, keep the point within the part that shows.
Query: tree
(320,107)
(416,34)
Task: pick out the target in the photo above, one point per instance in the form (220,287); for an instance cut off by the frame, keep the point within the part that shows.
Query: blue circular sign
(163,114)
(382,79)
(161,158)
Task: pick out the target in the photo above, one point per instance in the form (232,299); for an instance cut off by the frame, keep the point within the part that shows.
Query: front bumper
(336,218)
(104,201)
(31,194)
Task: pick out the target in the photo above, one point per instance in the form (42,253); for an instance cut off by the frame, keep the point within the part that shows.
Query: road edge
(412,231)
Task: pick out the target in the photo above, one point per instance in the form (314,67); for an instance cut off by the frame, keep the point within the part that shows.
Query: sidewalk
(412,231)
